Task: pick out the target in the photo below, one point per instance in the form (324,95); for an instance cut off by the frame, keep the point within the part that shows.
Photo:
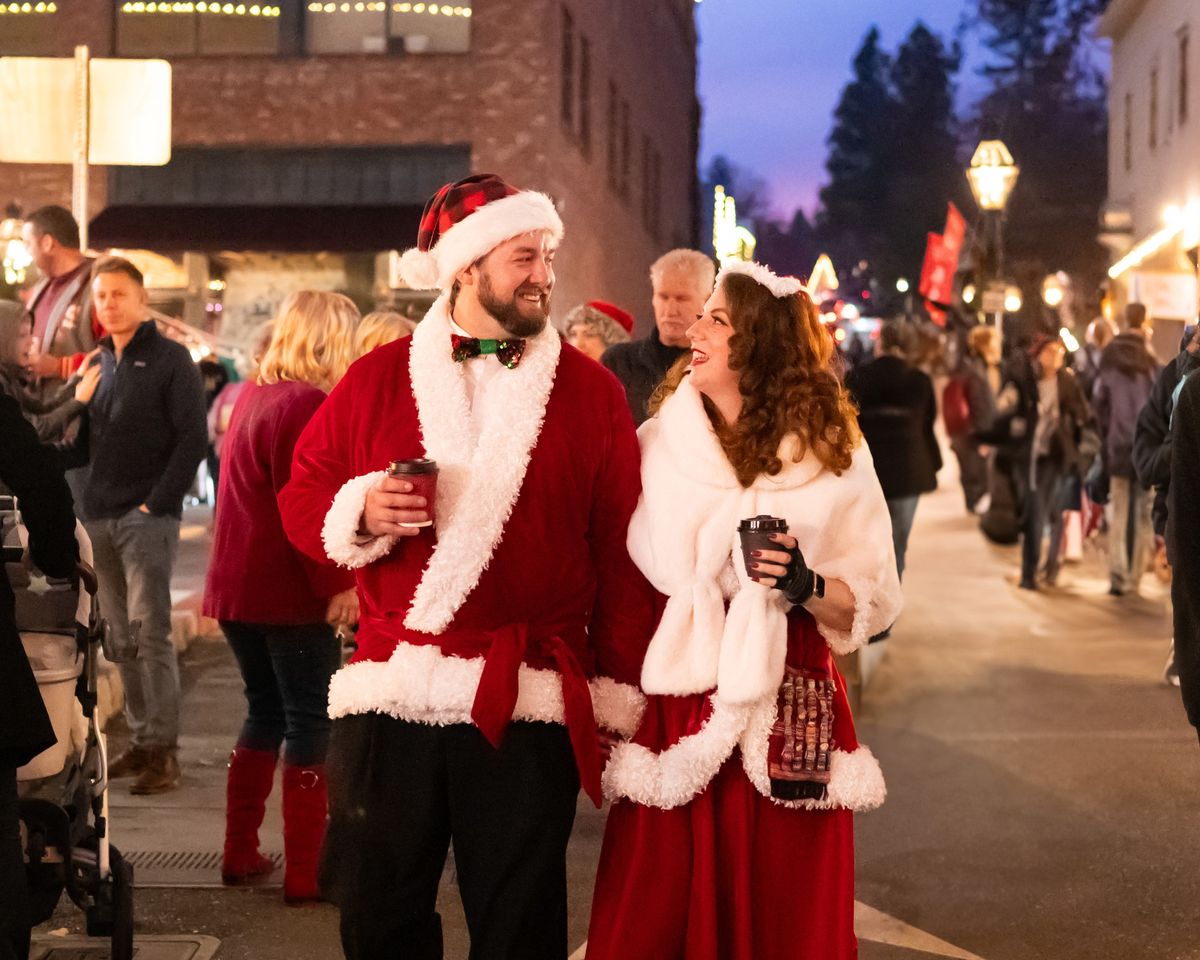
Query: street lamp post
(992,175)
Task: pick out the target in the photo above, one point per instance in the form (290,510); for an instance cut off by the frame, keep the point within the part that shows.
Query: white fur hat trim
(477,235)
(779,286)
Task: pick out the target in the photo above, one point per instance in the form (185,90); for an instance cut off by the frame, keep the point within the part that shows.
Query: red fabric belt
(504,650)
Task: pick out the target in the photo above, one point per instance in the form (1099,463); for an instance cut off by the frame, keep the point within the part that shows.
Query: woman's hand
(85,389)
(785,570)
(343,609)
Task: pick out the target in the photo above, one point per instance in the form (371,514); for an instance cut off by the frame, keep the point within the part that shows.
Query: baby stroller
(64,790)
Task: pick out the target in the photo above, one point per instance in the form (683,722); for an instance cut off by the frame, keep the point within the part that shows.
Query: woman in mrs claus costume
(731,834)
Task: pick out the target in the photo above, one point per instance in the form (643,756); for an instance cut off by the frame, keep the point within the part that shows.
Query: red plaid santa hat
(466,220)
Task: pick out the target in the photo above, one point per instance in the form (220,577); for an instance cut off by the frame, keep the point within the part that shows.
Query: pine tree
(924,171)
(853,201)
(1051,111)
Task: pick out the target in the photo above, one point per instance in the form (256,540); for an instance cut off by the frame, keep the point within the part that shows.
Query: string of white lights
(19,8)
(186,6)
(377,6)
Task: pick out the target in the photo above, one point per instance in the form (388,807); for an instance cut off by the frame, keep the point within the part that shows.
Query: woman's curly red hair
(784,358)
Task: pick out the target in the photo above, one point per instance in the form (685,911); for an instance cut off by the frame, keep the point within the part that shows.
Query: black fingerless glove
(799,582)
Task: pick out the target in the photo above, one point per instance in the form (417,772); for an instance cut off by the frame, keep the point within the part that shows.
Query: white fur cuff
(343,544)
(617,706)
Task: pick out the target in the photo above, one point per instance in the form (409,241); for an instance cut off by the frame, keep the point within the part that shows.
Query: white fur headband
(779,286)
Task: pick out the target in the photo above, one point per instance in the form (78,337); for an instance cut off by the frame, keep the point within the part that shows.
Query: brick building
(309,133)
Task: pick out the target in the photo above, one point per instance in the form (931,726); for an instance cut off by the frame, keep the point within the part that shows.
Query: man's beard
(508,314)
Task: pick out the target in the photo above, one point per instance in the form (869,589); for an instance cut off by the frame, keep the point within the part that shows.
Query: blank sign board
(129,111)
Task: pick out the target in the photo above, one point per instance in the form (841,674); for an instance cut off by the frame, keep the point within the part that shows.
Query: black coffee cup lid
(763,524)
(418,465)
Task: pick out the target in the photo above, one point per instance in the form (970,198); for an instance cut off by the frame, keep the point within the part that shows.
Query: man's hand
(390,504)
(85,389)
(343,609)
(606,740)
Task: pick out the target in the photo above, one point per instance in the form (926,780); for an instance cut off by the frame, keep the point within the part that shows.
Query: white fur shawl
(684,533)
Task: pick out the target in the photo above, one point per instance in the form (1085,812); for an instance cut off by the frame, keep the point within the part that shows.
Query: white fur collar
(684,532)
(478,483)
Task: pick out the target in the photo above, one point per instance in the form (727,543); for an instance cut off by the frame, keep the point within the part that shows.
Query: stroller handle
(87,576)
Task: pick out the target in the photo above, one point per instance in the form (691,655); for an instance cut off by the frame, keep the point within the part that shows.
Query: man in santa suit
(501,646)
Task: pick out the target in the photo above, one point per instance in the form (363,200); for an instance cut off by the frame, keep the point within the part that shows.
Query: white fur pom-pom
(419,269)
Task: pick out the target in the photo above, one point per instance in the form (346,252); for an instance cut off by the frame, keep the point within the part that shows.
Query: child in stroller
(63,792)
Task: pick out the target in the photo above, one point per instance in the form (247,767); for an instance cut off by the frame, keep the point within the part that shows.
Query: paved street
(1042,780)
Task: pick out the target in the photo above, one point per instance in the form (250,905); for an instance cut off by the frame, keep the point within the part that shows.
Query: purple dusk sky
(771,72)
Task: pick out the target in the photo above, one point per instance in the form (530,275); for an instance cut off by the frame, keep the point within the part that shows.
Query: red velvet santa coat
(734,873)
(522,596)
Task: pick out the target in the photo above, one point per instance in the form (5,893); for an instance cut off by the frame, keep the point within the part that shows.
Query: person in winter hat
(1128,369)
(735,795)
(595,326)
(502,623)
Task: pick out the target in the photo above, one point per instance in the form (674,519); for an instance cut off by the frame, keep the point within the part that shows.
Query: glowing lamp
(902,285)
(992,175)
(1013,301)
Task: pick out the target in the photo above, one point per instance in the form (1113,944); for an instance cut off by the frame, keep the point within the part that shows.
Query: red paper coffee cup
(422,474)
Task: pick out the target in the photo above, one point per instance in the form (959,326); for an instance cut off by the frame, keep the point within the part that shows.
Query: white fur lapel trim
(684,770)
(478,483)
(340,531)
(422,684)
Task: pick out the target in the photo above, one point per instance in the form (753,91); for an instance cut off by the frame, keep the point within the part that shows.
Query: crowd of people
(558,561)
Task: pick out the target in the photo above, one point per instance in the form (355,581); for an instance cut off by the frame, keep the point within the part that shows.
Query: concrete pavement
(1042,779)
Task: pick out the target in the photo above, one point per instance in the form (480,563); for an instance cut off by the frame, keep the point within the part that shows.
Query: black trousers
(14,895)
(400,792)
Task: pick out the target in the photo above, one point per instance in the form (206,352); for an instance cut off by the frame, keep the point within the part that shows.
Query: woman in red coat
(280,611)
(731,835)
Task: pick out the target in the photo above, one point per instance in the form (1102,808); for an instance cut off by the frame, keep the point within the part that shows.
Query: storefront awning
(285,229)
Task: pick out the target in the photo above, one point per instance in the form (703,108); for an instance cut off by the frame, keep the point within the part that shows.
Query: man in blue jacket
(146,435)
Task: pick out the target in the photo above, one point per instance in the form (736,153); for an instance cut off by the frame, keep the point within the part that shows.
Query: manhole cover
(186,947)
(189,868)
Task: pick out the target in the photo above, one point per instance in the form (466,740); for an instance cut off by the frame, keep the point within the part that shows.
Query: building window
(651,187)
(1185,45)
(1128,145)
(386,26)
(147,29)
(585,96)
(1154,108)
(568,69)
(626,150)
(33,32)
(613,141)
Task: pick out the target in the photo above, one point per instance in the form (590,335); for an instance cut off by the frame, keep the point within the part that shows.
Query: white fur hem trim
(424,685)
(675,776)
(855,779)
(482,231)
(340,531)
(618,706)
(779,286)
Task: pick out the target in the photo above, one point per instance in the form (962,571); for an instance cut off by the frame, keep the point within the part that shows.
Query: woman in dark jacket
(1041,416)
(280,611)
(50,413)
(30,471)
(897,410)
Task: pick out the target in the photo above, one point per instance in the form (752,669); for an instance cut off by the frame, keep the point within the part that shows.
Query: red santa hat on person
(611,310)
(466,220)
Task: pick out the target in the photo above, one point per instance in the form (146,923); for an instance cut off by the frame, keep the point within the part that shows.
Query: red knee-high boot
(251,773)
(305,808)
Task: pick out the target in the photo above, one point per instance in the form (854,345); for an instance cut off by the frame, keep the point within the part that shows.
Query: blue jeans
(902,511)
(286,671)
(135,554)
(1043,507)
